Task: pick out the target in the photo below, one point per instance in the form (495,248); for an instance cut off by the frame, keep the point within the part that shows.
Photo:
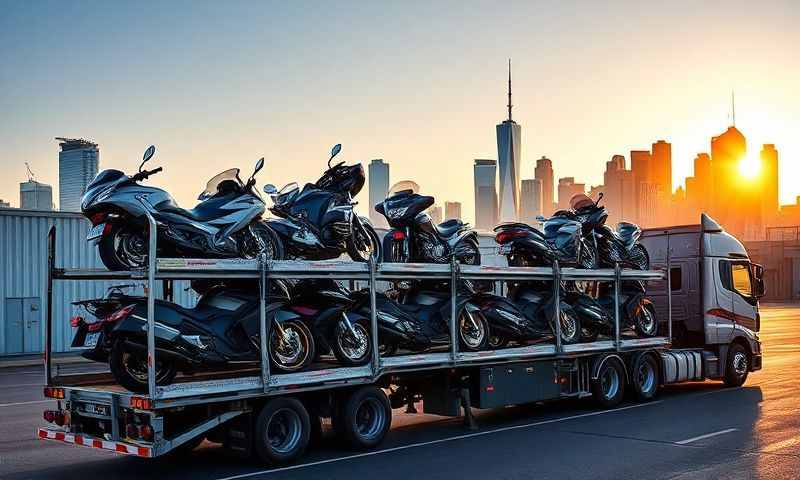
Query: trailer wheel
(644,378)
(608,388)
(363,417)
(282,430)
(736,366)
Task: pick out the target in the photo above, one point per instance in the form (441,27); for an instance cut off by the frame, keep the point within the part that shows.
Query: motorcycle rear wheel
(123,248)
(129,369)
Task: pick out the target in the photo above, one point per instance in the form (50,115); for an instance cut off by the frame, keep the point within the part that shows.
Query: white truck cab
(715,291)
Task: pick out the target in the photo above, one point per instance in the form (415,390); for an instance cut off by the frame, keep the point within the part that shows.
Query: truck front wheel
(736,366)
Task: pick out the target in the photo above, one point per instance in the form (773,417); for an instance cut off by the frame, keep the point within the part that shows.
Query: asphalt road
(692,431)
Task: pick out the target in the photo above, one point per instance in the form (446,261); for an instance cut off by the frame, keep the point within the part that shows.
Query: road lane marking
(441,440)
(24,403)
(707,435)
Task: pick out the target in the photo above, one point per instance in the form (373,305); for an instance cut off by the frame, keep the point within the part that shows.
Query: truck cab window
(725,274)
(740,274)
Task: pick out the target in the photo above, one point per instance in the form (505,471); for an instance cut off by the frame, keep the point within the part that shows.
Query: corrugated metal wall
(23,272)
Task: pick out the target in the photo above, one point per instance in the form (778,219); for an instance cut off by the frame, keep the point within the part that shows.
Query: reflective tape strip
(87,441)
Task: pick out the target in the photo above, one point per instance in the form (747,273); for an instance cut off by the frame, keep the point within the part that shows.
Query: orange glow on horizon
(750,167)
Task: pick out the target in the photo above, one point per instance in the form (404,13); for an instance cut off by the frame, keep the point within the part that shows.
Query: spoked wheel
(123,248)
(644,378)
(363,417)
(129,368)
(291,346)
(609,386)
(261,240)
(473,330)
(354,347)
(638,257)
(283,430)
(570,326)
(364,243)
(645,322)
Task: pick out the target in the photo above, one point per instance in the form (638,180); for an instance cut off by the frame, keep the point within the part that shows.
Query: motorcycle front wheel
(364,243)
(352,350)
(645,322)
(123,248)
(129,368)
(264,240)
(473,330)
(291,347)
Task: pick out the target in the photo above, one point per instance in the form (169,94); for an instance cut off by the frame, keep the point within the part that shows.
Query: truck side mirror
(758,280)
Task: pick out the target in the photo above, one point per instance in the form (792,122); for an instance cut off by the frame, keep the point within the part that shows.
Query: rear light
(507,235)
(55,416)
(141,403)
(97,218)
(54,392)
(49,416)
(146,432)
(119,314)
(398,235)
(76,321)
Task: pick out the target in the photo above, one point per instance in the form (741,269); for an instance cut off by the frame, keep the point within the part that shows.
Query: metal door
(23,329)
(15,325)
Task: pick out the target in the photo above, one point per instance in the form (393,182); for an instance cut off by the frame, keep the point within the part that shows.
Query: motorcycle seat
(449,227)
(203,212)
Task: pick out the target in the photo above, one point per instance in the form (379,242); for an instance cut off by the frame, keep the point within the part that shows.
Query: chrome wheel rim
(354,348)
(472,330)
(609,382)
(284,430)
(647,322)
(131,248)
(370,418)
(568,327)
(740,363)
(646,377)
(137,368)
(289,352)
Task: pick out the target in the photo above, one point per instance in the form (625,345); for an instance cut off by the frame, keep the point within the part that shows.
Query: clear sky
(419,84)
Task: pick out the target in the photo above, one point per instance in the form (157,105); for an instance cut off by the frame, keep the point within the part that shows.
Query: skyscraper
(35,196)
(731,202)
(508,159)
(619,191)
(661,166)
(378,186)
(769,175)
(485,194)
(530,200)
(78,162)
(544,173)
(452,210)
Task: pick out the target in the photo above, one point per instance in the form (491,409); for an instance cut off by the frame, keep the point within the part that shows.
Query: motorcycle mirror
(270,189)
(148,154)
(334,151)
(259,166)
(599,197)
(540,218)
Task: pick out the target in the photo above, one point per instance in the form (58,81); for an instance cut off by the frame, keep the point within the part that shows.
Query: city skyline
(584,92)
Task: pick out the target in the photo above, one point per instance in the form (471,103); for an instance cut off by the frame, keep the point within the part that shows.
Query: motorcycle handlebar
(146,173)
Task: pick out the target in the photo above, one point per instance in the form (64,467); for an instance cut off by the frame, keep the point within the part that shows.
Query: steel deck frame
(218,390)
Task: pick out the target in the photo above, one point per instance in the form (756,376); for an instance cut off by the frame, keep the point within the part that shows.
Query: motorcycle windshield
(286,195)
(213,184)
(404,207)
(406,186)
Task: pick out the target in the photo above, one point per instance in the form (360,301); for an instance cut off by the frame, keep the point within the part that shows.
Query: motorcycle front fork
(349,325)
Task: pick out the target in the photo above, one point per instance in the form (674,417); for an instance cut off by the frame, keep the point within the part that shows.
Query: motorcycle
(318,222)
(221,331)
(226,223)
(414,237)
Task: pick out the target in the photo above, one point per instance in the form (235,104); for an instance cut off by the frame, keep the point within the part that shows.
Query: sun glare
(749,167)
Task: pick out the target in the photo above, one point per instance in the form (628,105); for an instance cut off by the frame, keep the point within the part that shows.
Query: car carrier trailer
(274,415)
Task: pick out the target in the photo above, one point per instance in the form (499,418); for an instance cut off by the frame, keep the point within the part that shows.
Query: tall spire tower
(733,109)
(508,162)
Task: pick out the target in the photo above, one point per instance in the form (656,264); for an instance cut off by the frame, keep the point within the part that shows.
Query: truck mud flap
(681,365)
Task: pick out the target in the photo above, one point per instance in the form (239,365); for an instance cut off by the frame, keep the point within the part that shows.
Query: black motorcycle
(222,331)
(226,223)
(319,222)
(414,237)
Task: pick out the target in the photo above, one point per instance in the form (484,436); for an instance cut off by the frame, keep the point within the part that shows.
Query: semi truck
(703,285)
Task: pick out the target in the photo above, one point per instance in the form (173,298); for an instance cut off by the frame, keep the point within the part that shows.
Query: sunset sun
(749,167)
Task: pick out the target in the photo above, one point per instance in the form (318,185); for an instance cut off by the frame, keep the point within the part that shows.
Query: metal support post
(669,293)
(151,306)
(263,330)
(453,308)
(373,317)
(617,286)
(557,305)
(48,332)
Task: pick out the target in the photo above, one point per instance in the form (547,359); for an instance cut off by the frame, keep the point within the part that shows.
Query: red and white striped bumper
(93,442)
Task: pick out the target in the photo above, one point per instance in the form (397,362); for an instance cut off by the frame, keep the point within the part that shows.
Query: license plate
(91,339)
(504,249)
(96,231)
(95,409)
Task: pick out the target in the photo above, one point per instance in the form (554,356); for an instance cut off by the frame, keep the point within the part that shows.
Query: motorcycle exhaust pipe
(161,352)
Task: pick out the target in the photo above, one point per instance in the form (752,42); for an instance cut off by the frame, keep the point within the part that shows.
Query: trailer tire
(363,417)
(282,431)
(608,389)
(736,365)
(644,378)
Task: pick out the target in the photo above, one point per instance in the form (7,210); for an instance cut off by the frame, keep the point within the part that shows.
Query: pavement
(692,431)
